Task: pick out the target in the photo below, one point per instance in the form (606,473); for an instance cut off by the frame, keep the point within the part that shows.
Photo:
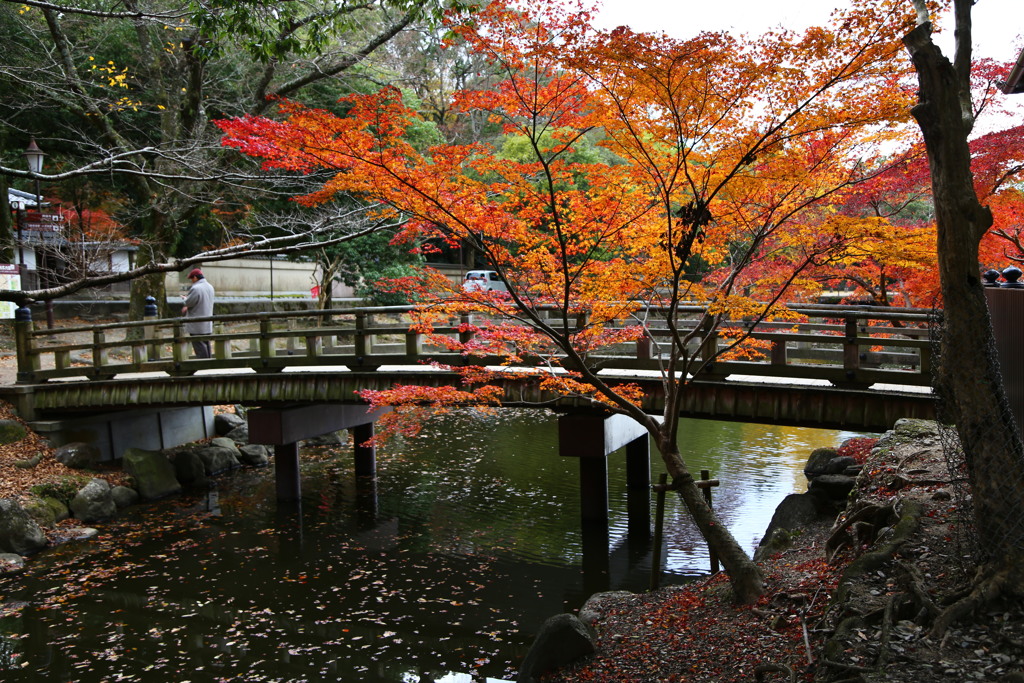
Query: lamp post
(34,157)
(16,205)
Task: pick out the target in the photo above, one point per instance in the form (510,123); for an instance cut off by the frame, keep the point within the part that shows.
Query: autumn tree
(971,386)
(713,150)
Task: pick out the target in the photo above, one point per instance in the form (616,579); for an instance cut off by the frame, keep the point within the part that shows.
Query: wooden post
(465,320)
(705,483)
(99,351)
(778,354)
(180,350)
(659,523)
(361,341)
(709,345)
(851,350)
(222,345)
(28,359)
(266,341)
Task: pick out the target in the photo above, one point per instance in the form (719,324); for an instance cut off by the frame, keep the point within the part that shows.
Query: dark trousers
(202,348)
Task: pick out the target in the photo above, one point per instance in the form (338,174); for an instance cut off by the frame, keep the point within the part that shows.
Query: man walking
(199,304)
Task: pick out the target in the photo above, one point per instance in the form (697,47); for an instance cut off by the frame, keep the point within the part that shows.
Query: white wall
(250,278)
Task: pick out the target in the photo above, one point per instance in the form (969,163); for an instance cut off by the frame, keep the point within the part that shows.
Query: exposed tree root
(991,583)
(865,520)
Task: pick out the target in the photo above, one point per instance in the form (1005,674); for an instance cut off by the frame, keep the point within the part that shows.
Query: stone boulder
(223,423)
(123,496)
(796,511)
(598,604)
(774,542)
(220,456)
(338,438)
(47,511)
(19,533)
(239,434)
(12,431)
(843,464)
(153,473)
(93,502)
(817,462)
(189,469)
(254,455)
(561,640)
(833,486)
(10,563)
(78,455)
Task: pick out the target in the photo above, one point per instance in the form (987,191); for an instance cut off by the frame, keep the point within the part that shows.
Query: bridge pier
(365,456)
(591,437)
(284,428)
(286,472)
(638,487)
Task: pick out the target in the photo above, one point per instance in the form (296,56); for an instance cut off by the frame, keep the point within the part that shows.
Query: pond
(441,571)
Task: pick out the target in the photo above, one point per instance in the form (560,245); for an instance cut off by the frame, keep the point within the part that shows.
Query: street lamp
(34,157)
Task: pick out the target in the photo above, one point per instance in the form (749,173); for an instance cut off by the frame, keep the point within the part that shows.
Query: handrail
(840,346)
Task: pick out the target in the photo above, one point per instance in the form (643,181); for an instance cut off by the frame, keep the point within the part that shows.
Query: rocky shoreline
(851,598)
(75,489)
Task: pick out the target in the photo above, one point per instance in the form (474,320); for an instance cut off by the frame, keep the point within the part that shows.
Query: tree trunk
(745,577)
(969,381)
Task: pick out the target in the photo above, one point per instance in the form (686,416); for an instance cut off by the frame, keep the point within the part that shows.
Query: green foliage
(378,288)
(364,259)
(269,30)
(63,489)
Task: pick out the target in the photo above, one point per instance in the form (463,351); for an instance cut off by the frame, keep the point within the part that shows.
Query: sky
(997,23)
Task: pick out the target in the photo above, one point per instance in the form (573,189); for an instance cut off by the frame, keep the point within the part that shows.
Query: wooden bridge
(298,372)
(858,368)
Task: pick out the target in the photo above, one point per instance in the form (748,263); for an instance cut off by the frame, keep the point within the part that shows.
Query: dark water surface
(443,571)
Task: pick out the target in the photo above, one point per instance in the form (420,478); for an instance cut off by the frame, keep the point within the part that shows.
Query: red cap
(195,273)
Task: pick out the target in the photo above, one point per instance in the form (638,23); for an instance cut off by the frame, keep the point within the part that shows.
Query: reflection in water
(441,569)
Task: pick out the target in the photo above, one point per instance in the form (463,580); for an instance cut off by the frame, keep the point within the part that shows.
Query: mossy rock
(12,431)
(47,511)
(910,428)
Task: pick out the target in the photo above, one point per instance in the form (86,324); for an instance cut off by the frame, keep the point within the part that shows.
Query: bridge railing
(845,346)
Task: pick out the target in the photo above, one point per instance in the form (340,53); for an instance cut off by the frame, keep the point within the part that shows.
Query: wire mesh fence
(986,469)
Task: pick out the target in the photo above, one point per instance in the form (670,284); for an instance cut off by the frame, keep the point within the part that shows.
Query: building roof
(1015,81)
(25,199)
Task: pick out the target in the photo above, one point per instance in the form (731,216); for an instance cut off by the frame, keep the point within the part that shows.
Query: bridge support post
(284,428)
(365,456)
(638,487)
(594,488)
(286,472)
(591,437)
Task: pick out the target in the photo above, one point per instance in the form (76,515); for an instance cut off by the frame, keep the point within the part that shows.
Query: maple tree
(711,155)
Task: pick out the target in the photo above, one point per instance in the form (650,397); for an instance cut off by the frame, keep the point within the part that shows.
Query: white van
(483,280)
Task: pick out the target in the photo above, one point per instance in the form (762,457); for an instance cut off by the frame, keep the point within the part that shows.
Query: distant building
(45,254)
